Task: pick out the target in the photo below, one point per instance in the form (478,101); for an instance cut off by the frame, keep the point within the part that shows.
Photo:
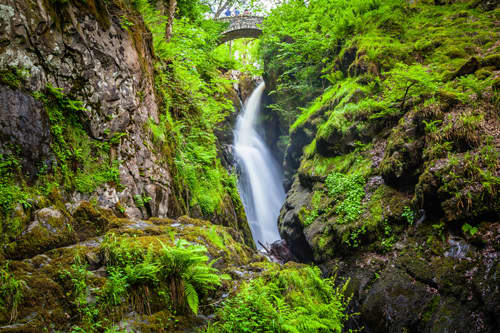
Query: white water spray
(260,182)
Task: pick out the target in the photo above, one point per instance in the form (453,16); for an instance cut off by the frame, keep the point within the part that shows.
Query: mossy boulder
(403,153)
(459,187)
(51,228)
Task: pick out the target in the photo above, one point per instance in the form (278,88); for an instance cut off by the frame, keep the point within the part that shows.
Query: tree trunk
(222,7)
(172,5)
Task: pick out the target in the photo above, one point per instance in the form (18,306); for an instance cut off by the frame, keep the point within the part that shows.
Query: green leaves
(183,265)
(193,91)
(284,299)
(349,191)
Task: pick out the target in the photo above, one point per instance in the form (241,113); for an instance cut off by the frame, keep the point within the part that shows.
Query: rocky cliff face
(405,204)
(79,165)
(94,60)
(103,63)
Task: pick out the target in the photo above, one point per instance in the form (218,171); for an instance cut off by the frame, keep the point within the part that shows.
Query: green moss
(492,60)
(11,293)
(14,77)
(352,163)
(14,198)
(83,164)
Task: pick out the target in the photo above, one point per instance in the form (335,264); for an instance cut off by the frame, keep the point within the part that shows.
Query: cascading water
(260,182)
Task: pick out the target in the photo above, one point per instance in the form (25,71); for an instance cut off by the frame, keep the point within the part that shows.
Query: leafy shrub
(467,228)
(183,269)
(193,91)
(284,299)
(409,215)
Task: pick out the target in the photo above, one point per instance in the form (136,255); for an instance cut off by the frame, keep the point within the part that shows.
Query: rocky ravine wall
(84,49)
(99,63)
(379,201)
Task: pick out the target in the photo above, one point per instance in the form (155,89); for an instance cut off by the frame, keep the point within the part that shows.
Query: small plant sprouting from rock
(349,191)
(468,229)
(353,239)
(409,215)
(141,200)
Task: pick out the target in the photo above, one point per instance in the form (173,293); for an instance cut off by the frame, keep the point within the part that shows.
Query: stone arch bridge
(242,26)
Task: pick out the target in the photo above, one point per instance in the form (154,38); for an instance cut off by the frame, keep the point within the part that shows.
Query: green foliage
(10,193)
(79,281)
(193,92)
(188,263)
(388,241)
(11,292)
(406,81)
(13,192)
(284,299)
(353,238)
(14,77)
(474,84)
(432,126)
(125,23)
(409,215)
(240,54)
(348,191)
(467,228)
(182,271)
(314,213)
(141,200)
(83,164)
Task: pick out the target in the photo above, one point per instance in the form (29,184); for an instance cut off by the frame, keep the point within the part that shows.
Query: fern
(290,299)
(191,297)
(187,264)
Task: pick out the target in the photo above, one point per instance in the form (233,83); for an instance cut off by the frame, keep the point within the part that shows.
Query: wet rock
(458,249)
(94,260)
(395,303)
(99,64)
(289,223)
(23,123)
(281,251)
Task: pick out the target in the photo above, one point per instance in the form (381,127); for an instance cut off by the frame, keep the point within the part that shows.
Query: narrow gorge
(249,166)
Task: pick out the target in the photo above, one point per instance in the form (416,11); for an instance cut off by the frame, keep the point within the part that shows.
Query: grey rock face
(98,63)
(23,123)
(289,224)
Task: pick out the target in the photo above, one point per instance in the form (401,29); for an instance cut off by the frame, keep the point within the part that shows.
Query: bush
(349,192)
(182,271)
(284,299)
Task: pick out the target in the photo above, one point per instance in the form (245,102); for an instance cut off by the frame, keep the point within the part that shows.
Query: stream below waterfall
(260,181)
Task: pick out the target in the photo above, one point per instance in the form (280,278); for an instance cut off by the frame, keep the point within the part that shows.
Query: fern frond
(191,297)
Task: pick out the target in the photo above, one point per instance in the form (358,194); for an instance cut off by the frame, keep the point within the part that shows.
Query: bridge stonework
(243,26)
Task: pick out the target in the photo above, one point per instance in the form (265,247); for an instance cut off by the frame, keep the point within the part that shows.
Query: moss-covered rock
(50,228)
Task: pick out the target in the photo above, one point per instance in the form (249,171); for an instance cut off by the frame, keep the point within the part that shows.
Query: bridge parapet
(242,26)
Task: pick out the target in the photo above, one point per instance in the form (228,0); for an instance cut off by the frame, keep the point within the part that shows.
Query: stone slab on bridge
(242,26)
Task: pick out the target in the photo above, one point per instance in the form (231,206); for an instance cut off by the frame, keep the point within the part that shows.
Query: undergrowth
(193,92)
(284,299)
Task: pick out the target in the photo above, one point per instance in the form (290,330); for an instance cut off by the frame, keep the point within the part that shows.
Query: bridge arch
(242,26)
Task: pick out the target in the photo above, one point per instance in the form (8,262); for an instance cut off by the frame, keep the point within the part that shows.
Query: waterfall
(260,181)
